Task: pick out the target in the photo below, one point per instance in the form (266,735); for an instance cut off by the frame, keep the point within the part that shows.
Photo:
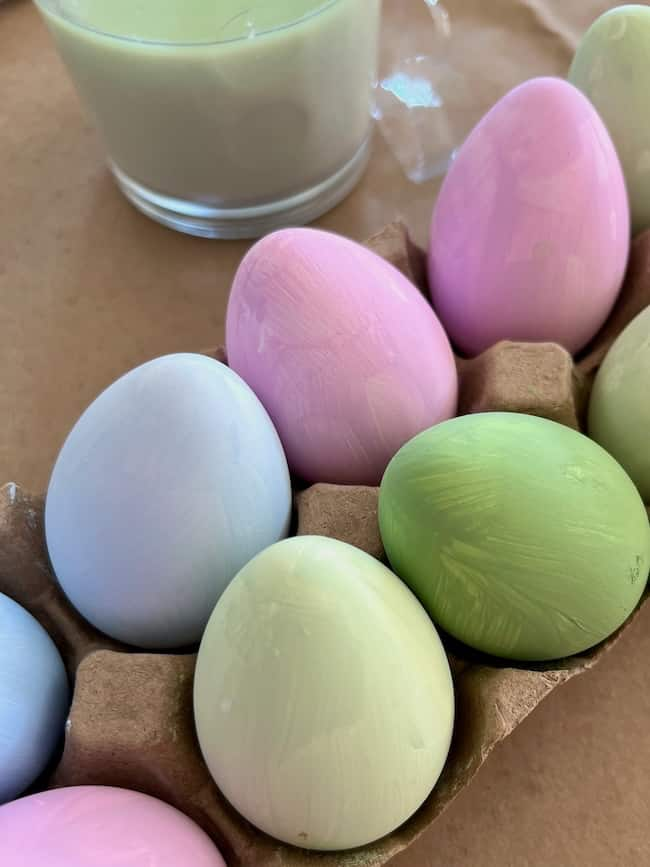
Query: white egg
(167,485)
(34,699)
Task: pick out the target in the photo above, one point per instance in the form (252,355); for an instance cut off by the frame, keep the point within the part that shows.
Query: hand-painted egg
(522,538)
(343,351)
(611,68)
(619,408)
(34,700)
(323,698)
(169,482)
(530,233)
(99,826)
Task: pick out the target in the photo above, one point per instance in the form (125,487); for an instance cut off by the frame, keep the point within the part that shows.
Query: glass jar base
(205,221)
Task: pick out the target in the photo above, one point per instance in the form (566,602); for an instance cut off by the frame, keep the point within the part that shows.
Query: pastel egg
(530,233)
(611,68)
(34,700)
(619,409)
(323,698)
(343,351)
(522,538)
(97,826)
(169,482)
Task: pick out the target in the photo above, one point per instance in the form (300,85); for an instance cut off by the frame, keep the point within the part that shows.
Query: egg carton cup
(131,722)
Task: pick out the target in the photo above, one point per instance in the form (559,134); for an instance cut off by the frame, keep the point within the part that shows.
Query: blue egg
(169,483)
(34,699)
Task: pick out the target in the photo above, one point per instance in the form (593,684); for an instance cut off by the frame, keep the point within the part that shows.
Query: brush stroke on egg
(523,538)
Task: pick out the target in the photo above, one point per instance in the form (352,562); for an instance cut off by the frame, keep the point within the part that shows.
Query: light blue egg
(168,484)
(34,699)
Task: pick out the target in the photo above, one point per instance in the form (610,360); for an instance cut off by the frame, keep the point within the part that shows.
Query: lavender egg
(172,479)
(342,349)
(531,230)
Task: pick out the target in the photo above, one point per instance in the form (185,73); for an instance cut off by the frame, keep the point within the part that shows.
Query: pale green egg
(323,698)
(619,409)
(521,537)
(612,68)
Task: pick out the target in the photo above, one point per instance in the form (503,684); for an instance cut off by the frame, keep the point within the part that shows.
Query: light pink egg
(530,233)
(344,352)
(95,826)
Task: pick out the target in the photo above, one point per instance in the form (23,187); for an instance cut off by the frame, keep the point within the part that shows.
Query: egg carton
(131,722)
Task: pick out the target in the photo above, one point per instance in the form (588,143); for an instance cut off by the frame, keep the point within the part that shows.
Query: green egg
(522,538)
(619,408)
(612,68)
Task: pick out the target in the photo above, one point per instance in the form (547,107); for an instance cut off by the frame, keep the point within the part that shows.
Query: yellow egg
(323,698)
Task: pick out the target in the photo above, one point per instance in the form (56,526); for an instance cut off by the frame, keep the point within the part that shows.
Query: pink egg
(531,230)
(95,826)
(344,352)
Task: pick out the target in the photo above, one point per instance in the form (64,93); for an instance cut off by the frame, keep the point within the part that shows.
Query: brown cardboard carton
(131,719)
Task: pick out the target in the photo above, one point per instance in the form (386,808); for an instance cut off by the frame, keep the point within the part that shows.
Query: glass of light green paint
(227,118)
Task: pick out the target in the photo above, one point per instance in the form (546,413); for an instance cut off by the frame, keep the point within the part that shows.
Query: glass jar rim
(53,7)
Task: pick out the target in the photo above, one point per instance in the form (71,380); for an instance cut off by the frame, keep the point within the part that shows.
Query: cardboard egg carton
(131,720)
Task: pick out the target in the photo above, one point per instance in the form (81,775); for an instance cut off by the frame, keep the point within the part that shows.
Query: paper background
(89,288)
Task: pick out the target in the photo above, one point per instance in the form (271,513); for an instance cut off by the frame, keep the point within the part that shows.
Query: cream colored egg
(323,698)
